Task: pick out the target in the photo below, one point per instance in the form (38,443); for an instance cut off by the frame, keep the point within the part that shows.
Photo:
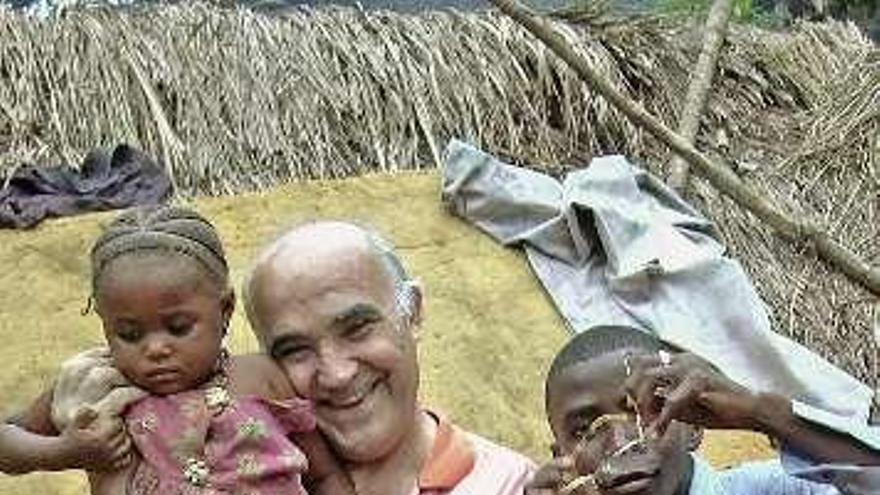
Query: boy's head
(160,285)
(591,417)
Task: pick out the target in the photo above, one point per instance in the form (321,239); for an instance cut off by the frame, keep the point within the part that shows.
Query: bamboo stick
(698,90)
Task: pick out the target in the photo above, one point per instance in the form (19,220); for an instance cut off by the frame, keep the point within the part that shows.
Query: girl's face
(164,320)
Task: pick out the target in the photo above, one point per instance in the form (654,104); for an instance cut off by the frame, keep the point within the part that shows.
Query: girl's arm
(259,375)
(38,417)
(256,374)
(93,437)
(87,443)
(23,452)
(29,441)
(326,475)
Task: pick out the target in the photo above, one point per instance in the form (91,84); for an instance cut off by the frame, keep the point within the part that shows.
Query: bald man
(332,304)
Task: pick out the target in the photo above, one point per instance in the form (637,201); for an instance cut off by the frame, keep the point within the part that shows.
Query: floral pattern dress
(205,442)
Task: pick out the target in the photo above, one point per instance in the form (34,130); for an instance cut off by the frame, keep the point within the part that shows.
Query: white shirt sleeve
(853,426)
(769,478)
(849,479)
(754,478)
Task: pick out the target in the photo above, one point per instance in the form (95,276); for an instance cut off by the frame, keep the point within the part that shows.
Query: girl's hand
(95,442)
(90,379)
(326,475)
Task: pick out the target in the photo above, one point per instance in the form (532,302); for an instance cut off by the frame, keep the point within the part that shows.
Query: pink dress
(205,442)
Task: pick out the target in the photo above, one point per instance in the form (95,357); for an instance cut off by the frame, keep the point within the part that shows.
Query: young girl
(211,424)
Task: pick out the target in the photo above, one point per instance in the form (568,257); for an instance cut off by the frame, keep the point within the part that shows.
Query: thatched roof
(234,100)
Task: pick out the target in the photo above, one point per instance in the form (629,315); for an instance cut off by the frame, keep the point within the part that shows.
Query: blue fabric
(755,478)
(847,478)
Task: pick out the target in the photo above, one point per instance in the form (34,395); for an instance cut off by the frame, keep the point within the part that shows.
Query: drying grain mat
(488,338)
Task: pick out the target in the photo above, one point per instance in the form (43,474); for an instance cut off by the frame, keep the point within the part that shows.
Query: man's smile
(352,400)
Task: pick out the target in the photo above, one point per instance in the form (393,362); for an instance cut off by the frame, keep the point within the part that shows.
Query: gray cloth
(612,245)
(105,181)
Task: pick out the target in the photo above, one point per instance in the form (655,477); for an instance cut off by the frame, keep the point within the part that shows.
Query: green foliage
(744,11)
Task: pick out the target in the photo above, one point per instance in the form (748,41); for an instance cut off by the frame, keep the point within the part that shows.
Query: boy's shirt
(794,474)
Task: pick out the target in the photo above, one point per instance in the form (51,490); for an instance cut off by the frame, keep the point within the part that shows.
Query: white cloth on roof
(613,245)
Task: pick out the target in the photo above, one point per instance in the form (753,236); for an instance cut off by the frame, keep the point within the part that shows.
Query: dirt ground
(488,338)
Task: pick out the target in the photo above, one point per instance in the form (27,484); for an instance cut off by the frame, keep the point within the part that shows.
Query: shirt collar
(452,457)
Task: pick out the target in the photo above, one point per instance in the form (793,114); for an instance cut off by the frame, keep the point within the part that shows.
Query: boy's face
(590,417)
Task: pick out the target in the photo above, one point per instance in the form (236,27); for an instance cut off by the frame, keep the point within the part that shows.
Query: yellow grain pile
(488,337)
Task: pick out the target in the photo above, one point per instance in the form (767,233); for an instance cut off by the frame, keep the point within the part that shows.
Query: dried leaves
(234,100)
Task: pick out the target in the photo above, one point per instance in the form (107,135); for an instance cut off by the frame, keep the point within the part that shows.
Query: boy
(627,411)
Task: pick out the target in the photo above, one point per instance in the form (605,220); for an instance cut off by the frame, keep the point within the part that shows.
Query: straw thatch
(234,100)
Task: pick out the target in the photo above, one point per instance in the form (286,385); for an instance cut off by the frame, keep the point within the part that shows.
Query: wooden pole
(698,91)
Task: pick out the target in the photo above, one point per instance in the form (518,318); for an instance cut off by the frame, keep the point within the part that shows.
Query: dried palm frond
(232,100)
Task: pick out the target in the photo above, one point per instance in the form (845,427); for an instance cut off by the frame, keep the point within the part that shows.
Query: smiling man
(333,305)
(626,411)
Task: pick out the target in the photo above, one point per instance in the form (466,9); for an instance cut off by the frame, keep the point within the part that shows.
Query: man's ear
(227,308)
(416,306)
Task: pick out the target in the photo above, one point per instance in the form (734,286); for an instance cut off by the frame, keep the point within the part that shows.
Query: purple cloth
(125,178)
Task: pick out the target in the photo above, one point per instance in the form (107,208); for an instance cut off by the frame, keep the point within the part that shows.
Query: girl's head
(160,285)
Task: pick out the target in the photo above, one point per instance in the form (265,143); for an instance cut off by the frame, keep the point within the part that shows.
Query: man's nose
(335,368)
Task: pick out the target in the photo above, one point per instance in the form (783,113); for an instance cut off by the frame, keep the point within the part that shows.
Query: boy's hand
(684,387)
(96,443)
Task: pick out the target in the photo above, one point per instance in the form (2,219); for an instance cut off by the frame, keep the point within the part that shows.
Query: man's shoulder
(464,463)
(498,470)
(492,452)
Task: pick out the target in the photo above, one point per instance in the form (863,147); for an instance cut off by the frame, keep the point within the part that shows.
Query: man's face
(328,318)
(589,415)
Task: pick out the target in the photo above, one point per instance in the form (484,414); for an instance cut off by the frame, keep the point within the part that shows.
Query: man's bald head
(323,242)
